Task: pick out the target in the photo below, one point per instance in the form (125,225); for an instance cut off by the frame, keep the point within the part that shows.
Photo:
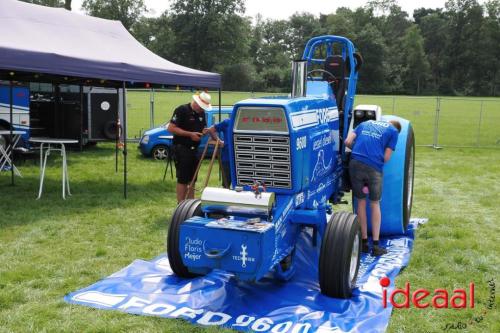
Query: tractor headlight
(145,139)
(371,114)
(359,114)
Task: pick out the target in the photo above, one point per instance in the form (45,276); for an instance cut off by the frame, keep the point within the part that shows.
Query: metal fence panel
(437,121)
(458,122)
(137,112)
(421,111)
(489,130)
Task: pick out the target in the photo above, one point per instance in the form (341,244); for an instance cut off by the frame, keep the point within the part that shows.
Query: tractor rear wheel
(340,255)
(184,211)
(408,177)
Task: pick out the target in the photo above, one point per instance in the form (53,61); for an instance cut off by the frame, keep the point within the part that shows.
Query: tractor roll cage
(347,54)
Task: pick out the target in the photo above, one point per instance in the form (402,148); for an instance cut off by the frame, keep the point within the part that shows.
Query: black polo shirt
(189,120)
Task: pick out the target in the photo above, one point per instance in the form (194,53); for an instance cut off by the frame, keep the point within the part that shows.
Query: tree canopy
(453,50)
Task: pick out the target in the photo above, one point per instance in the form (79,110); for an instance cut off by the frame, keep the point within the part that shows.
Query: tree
(393,27)
(48,3)
(345,22)
(240,77)
(381,6)
(490,46)
(417,66)
(372,76)
(209,33)
(465,18)
(272,53)
(156,34)
(302,27)
(128,12)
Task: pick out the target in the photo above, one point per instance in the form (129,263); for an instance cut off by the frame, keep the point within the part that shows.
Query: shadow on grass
(19,205)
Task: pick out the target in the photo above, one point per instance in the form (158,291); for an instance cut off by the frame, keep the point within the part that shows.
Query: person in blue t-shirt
(223,128)
(372,143)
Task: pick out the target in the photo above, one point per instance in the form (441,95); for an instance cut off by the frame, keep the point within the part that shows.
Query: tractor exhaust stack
(299,78)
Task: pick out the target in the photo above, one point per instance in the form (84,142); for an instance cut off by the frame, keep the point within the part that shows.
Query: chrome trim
(263,158)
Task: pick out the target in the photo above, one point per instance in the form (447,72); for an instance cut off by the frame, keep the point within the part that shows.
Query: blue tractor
(288,163)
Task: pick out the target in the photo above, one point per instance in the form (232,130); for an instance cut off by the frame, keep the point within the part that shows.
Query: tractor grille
(263,158)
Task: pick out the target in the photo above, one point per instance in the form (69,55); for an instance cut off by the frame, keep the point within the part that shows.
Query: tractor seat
(336,66)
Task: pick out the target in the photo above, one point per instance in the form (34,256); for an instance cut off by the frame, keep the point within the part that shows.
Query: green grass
(51,247)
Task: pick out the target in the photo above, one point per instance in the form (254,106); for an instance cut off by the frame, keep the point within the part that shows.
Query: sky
(282,9)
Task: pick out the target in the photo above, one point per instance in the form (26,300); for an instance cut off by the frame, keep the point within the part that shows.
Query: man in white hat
(188,125)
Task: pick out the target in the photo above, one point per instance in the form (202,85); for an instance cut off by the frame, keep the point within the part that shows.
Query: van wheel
(184,211)
(340,255)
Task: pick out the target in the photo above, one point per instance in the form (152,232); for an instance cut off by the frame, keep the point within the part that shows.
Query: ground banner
(296,306)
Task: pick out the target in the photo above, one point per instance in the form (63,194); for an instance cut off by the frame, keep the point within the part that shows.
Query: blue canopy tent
(46,44)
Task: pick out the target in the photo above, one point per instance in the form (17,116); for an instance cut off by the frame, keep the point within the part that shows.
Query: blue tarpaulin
(296,306)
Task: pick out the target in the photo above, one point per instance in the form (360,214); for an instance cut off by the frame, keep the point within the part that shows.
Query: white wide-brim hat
(203,100)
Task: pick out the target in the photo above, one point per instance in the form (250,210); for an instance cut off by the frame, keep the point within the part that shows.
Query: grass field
(462,121)
(51,247)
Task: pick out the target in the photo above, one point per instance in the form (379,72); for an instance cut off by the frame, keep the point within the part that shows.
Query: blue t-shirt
(372,138)
(223,127)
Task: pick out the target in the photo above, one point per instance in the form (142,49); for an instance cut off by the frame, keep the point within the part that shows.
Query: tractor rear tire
(184,211)
(409,172)
(340,255)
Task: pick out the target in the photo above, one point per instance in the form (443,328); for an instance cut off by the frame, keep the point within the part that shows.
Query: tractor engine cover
(232,202)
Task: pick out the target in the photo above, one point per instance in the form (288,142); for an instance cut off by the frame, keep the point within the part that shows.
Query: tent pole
(117,138)
(11,98)
(219,153)
(124,125)
(220,105)
(81,117)
(151,107)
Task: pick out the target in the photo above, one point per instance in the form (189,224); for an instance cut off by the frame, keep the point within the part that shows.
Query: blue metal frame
(348,50)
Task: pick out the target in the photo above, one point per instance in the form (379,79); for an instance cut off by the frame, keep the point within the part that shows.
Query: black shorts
(364,175)
(186,161)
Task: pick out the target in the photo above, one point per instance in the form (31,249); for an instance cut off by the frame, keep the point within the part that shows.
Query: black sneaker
(365,248)
(378,251)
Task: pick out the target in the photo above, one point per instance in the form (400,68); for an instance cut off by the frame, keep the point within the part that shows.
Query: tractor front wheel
(340,255)
(184,211)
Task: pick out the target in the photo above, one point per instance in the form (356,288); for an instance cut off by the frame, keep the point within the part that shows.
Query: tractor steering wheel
(318,70)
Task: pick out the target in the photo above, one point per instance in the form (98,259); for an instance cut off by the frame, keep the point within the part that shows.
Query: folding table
(45,143)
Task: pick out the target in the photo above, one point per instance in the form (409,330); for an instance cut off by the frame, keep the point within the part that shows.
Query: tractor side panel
(246,253)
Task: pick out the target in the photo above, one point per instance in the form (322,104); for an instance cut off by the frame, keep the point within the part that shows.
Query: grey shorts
(364,175)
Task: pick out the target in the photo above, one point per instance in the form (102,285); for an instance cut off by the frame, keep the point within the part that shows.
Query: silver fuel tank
(234,202)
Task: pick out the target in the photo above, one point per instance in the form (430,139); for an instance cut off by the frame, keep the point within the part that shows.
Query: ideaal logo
(439,299)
